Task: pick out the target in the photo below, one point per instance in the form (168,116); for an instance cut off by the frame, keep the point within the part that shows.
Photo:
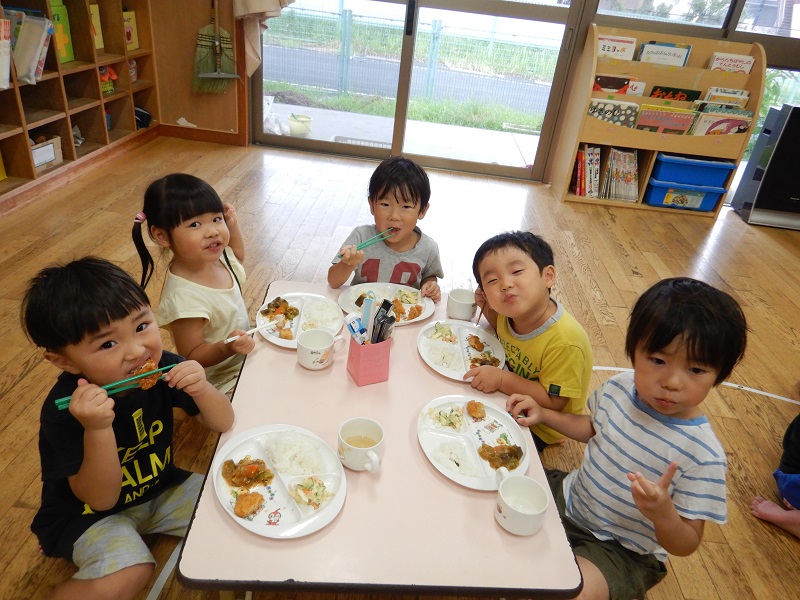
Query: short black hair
(402,176)
(530,243)
(710,322)
(65,303)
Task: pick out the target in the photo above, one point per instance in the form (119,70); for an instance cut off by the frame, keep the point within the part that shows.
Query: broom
(214,65)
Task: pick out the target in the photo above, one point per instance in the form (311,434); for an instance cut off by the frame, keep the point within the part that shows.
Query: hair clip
(139,217)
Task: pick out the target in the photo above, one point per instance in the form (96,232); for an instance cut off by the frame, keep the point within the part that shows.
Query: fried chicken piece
(475,342)
(285,333)
(147,382)
(476,410)
(399,309)
(414,312)
(247,503)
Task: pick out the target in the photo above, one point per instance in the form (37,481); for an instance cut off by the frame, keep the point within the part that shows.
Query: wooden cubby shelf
(69,95)
(580,128)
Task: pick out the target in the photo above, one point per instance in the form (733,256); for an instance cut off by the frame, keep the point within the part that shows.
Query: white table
(407,529)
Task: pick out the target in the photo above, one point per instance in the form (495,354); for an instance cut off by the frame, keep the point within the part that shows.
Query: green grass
(448,112)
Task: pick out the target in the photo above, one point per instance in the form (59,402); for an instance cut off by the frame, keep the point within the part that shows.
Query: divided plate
(348,297)
(280,516)
(453,358)
(454,452)
(311,307)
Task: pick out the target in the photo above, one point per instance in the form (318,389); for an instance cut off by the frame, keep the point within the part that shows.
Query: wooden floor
(296,208)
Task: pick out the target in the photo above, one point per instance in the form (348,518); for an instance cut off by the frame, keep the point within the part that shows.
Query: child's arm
(528,411)
(430,288)
(97,481)
(236,241)
(490,379)
(340,272)
(216,412)
(483,306)
(676,534)
(189,343)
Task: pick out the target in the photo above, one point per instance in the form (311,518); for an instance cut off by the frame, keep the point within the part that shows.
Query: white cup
(461,304)
(316,347)
(361,444)
(521,503)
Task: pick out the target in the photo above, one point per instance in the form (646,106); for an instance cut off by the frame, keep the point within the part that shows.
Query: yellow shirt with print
(557,355)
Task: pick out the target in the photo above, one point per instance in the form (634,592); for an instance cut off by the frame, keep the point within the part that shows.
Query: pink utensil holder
(368,363)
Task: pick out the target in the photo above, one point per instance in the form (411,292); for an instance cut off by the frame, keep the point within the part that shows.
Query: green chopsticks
(373,240)
(117,386)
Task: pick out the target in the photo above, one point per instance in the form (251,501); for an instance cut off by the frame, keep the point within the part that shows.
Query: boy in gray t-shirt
(399,192)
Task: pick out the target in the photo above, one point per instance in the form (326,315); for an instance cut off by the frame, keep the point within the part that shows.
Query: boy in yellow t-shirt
(547,351)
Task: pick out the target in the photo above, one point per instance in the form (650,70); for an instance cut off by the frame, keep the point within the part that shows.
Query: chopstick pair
(117,386)
(249,331)
(368,242)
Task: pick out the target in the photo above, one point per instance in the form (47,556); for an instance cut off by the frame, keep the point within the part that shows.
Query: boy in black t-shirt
(107,463)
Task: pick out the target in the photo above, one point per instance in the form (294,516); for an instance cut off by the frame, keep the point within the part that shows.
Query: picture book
(727,95)
(614,111)
(5,54)
(622,48)
(664,53)
(714,124)
(705,106)
(673,93)
(712,108)
(663,119)
(611,83)
(735,63)
(636,88)
(620,176)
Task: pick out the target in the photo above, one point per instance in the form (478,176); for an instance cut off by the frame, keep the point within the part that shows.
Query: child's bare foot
(787,519)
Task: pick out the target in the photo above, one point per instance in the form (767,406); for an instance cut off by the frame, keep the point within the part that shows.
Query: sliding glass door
(460,84)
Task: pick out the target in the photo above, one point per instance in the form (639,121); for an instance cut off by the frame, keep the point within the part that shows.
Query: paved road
(378,77)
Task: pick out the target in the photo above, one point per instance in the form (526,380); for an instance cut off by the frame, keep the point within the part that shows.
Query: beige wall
(175,27)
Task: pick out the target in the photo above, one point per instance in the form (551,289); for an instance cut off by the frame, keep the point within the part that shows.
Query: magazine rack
(579,128)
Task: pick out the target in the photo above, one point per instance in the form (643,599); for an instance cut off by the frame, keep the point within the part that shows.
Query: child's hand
(525,410)
(351,257)
(244,344)
(485,378)
(432,290)
(229,214)
(652,498)
(480,299)
(91,405)
(188,376)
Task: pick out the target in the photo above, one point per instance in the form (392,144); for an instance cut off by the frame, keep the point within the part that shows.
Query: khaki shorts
(115,543)
(628,574)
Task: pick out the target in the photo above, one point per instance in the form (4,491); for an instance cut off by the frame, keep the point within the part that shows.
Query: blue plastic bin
(694,171)
(684,196)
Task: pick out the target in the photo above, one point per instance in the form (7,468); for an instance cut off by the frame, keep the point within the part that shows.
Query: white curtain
(254,14)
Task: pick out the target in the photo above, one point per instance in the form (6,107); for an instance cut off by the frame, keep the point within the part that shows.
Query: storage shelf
(68,94)
(579,128)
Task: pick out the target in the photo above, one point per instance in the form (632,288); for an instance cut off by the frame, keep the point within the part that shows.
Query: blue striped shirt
(630,436)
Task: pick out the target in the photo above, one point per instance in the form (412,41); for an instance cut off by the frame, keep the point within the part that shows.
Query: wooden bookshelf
(69,94)
(580,128)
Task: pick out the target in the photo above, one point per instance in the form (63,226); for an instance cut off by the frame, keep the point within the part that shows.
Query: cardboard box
(97,28)
(62,34)
(47,154)
(131,33)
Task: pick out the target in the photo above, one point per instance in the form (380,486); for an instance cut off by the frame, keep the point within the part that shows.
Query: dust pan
(214,64)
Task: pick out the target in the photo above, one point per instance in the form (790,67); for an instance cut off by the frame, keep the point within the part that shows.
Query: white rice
(320,315)
(442,354)
(292,453)
(452,456)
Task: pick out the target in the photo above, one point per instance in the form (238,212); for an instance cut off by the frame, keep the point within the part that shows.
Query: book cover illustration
(636,88)
(673,93)
(661,119)
(622,48)
(735,101)
(5,56)
(734,63)
(664,53)
(720,124)
(611,83)
(614,111)
(706,106)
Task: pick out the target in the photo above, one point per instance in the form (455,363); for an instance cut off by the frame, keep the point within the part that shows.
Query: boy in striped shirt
(653,471)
